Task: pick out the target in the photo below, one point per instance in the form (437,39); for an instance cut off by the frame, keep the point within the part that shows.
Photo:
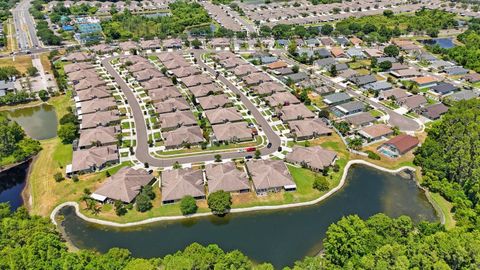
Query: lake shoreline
(237,210)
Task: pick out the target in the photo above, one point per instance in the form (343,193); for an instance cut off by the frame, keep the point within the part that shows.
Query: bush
(58,177)
(188,205)
(120,208)
(219,202)
(321,184)
(68,133)
(75,178)
(43,95)
(372,155)
(143,203)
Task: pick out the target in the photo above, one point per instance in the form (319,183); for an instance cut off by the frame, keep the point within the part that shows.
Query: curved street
(142,149)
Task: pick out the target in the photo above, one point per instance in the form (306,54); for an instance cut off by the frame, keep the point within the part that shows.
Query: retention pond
(280,237)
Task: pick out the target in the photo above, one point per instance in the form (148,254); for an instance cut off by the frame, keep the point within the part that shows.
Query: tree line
(125,25)
(15,146)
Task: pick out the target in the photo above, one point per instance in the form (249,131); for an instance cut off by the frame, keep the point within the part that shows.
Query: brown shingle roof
(267,174)
(125,185)
(314,157)
(226,177)
(177,184)
(403,142)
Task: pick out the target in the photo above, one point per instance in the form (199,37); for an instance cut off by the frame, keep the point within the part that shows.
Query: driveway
(142,150)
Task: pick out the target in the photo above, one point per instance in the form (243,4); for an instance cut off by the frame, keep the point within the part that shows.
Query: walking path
(235,210)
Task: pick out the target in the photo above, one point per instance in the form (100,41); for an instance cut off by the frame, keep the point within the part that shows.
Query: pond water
(280,237)
(12,183)
(39,122)
(444,43)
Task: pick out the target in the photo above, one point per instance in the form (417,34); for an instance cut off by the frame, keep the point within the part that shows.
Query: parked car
(269,145)
(250,149)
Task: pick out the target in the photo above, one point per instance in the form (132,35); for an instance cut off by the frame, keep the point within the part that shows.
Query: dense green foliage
(316,2)
(68,133)
(450,160)
(188,205)
(219,202)
(382,27)
(126,25)
(14,98)
(31,242)
(43,31)
(8,72)
(467,55)
(5,6)
(385,243)
(14,144)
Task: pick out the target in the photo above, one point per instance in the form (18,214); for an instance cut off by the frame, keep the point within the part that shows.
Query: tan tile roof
(375,131)
(99,119)
(161,94)
(295,112)
(212,102)
(91,93)
(282,98)
(172,104)
(98,104)
(205,89)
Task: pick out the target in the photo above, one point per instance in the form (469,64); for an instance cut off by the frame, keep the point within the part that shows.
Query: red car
(250,149)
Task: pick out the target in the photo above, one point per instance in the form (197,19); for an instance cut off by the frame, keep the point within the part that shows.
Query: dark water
(444,43)
(280,237)
(39,122)
(12,183)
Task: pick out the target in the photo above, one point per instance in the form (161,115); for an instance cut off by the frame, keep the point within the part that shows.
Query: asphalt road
(25,27)
(142,152)
(395,119)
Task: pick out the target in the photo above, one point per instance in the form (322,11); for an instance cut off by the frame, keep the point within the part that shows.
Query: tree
(320,183)
(120,209)
(32,71)
(188,205)
(326,29)
(388,13)
(143,203)
(385,65)
(148,190)
(292,48)
(219,202)
(196,44)
(258,154)
(391,50)
(295,69)
(68,133)
(218,158)
(333,71)
(324,113)
(43,95)
(355,143)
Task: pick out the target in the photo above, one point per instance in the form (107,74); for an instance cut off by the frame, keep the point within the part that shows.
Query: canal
(39,122)
(280,237)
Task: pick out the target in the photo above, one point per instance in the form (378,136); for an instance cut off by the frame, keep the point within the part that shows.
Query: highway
(142,149)
(25,27)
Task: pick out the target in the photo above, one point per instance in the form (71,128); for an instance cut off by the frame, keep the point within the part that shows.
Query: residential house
(281,99)
(173,120)
(375,132)
(434,111)
(336,98)
(270,176)
(443,88)
(182,136)
(361,80)
(360,119)
(232,132)
(315,158)
(125,185)
(351,107)
(214,101)
(412,102)
(100,136)
(398,145)
(171,105)
(179,183)
(223,115)
(226,177)
(105,118)
(378,86)
(295,112)
(92,159)
(309,128)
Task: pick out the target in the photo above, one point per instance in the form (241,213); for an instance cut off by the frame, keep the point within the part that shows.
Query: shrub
(321,184)
(372,155)
(188,205)
(58,177)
